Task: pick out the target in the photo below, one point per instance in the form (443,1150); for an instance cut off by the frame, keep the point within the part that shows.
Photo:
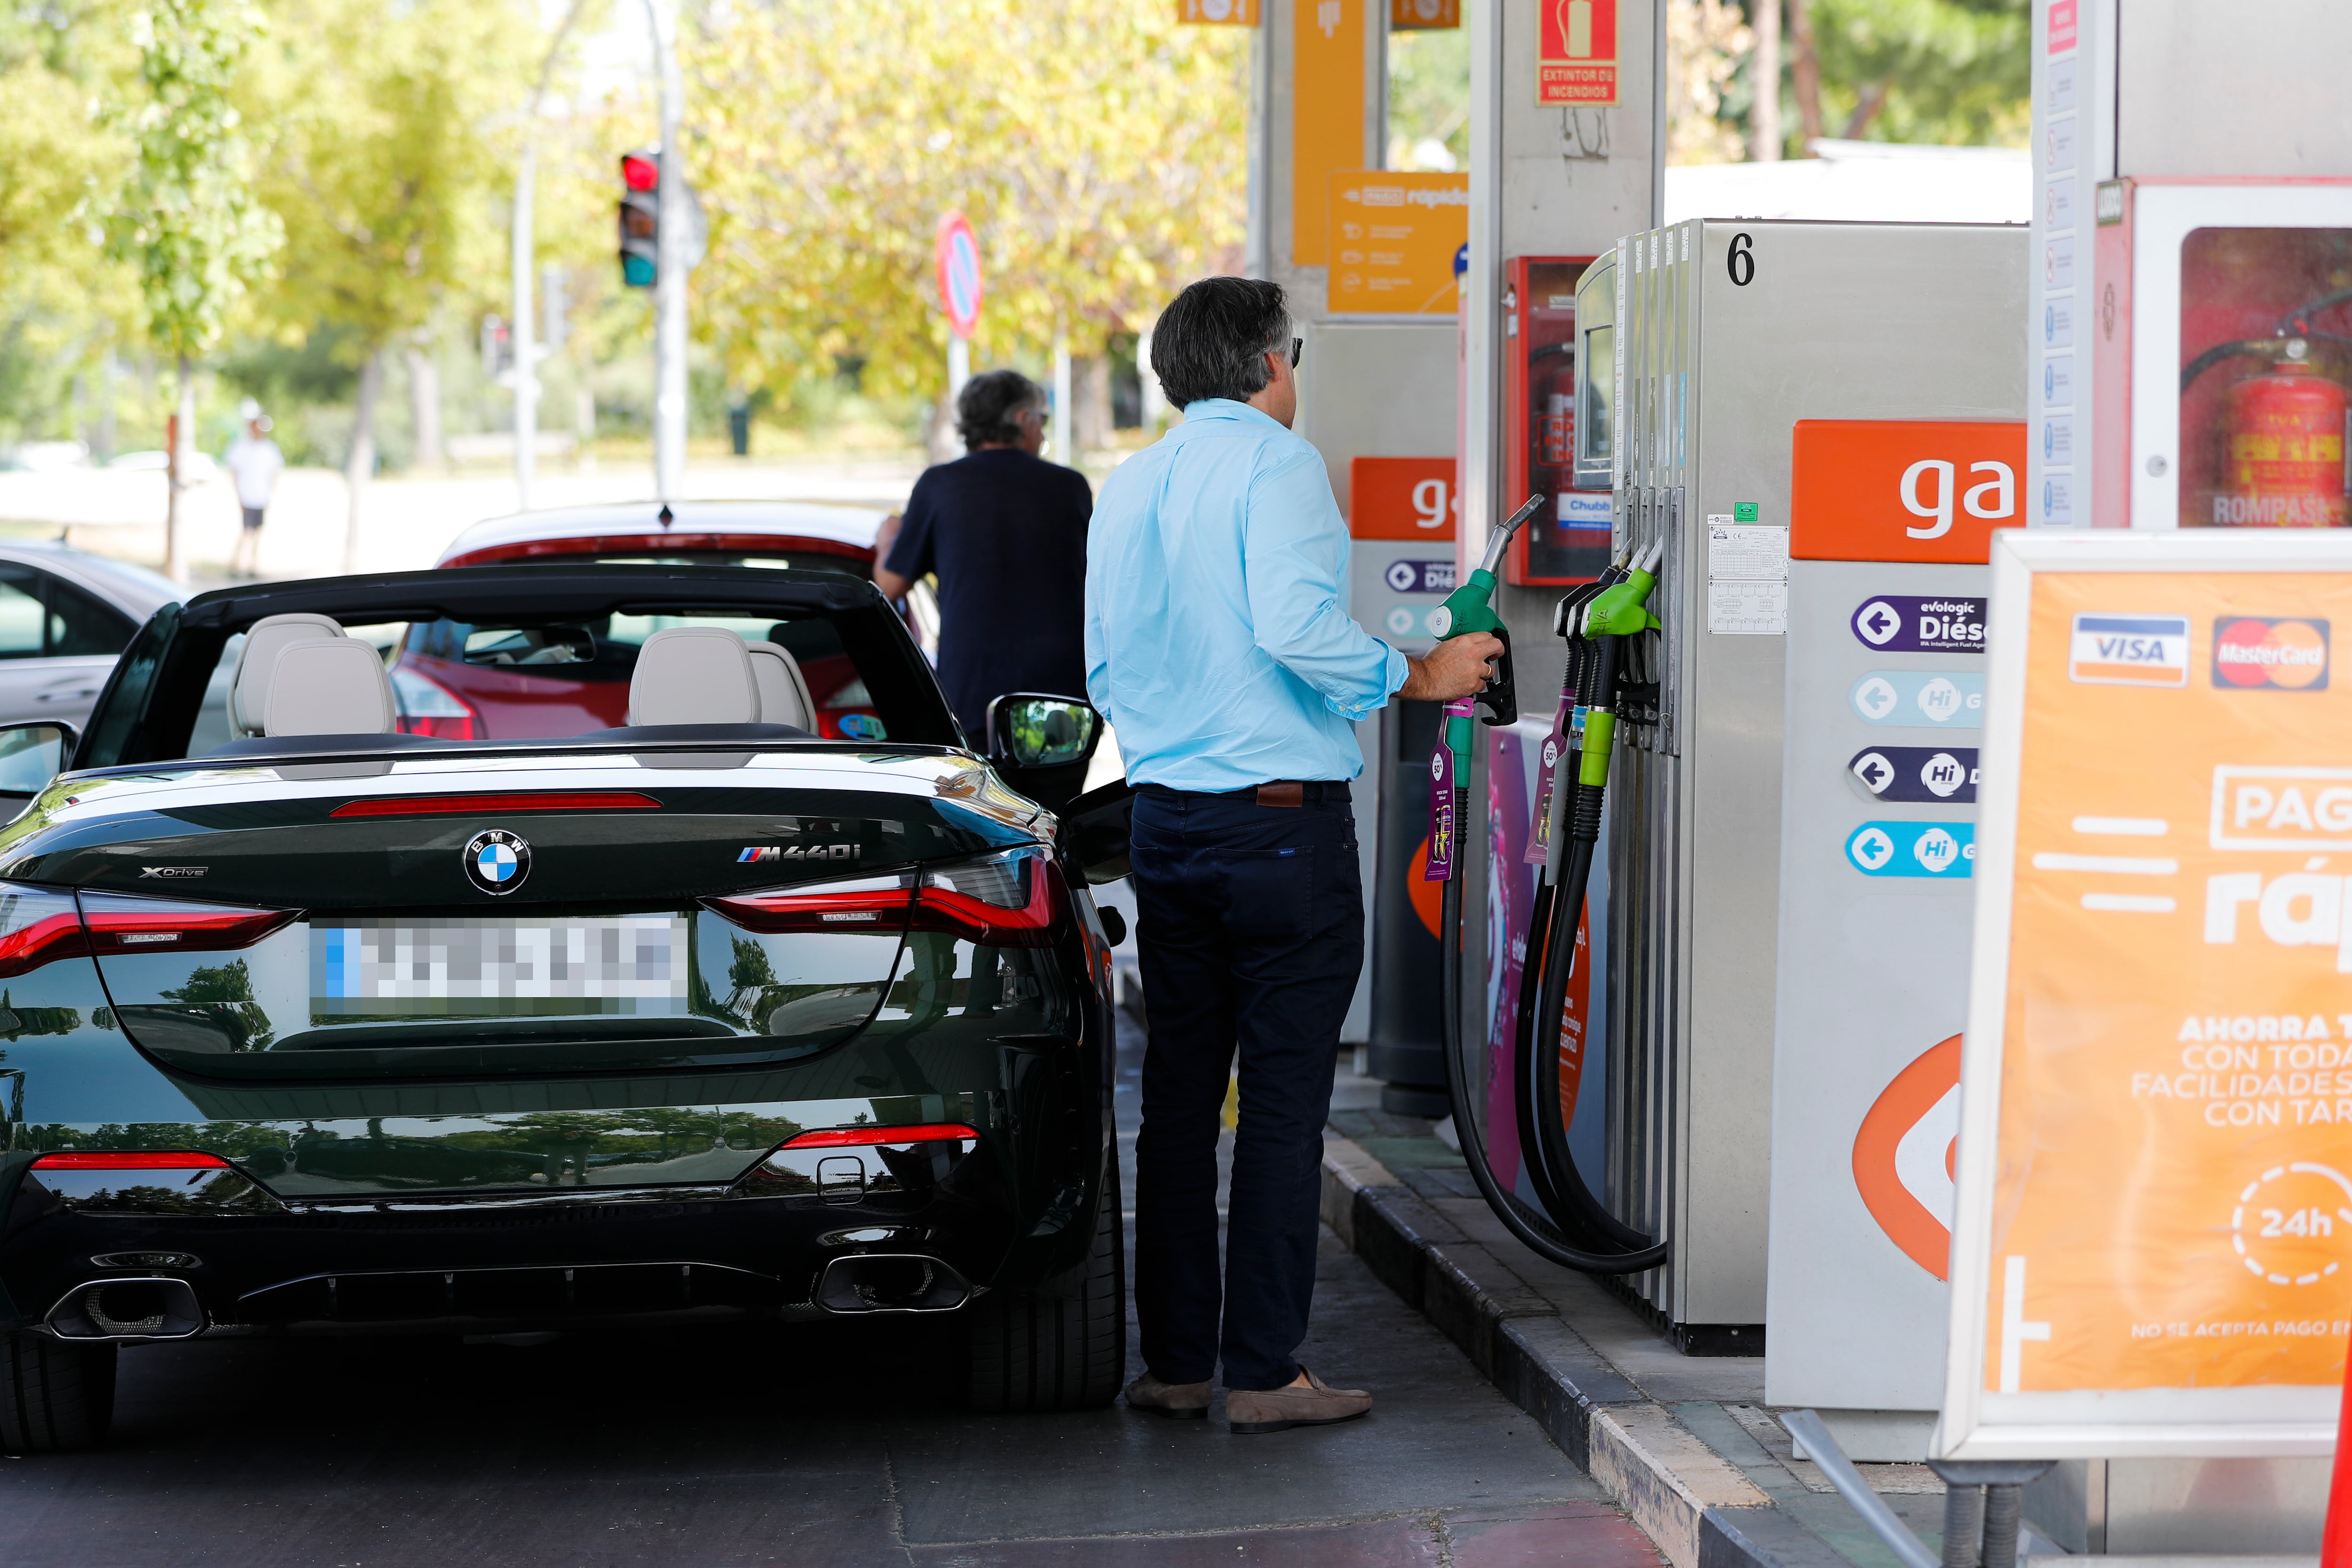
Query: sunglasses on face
(1296,346)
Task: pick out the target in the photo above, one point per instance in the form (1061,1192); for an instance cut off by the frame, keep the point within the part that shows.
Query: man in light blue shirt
(1219,646)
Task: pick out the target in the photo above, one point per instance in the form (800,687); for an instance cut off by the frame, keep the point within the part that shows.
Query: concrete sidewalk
(1685,1444)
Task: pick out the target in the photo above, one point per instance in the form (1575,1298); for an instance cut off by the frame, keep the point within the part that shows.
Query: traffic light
(640,218)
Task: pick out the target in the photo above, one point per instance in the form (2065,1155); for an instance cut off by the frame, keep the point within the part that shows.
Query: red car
(471,684)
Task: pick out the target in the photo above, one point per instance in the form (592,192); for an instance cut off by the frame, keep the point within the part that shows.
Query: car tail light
(37,925)
(868,1137)
(429,707)
(118,922)
(874,904)
(461,804)
(125,1159)
(1012,900)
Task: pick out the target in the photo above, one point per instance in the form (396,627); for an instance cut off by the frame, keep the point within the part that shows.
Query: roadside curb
(1698,1509)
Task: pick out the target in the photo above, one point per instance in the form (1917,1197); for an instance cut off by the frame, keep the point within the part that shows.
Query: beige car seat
(264,640)
(328,686)
(694,675)
(784,690)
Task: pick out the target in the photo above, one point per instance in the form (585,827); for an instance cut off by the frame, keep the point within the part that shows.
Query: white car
(64,617)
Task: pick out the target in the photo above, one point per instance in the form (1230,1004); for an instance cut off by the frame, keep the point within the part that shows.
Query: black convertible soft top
(150,704)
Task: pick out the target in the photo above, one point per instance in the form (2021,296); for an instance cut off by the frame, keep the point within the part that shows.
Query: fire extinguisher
(1551,399)
(2285,435)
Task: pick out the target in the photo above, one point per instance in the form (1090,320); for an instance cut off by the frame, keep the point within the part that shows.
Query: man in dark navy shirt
(1005,533)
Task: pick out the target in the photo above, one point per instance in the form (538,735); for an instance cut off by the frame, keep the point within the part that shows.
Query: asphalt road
(839,1445)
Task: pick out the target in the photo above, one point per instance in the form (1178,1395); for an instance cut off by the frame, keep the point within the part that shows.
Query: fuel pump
(1570,1227)
(2286,449)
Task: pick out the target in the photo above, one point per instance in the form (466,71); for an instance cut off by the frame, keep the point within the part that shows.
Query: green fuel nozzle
(1618,611)
(1471,607)
(1623,608)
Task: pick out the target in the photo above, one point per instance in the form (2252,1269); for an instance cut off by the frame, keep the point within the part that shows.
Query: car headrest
(784,690)
(328,686)
(248,690)
(693,675)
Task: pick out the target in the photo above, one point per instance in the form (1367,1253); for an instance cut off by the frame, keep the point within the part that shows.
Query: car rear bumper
(535,1263)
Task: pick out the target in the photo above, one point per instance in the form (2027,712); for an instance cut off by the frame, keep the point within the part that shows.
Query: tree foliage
(1949,71)
(388,150)
(1096,147)
(186,217)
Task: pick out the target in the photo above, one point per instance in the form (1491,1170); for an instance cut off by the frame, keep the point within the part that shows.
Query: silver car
(64,617)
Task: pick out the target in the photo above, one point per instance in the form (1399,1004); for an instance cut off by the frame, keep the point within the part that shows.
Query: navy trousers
(1251,927)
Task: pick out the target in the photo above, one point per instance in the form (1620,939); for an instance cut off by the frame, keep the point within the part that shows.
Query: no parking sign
(958,259)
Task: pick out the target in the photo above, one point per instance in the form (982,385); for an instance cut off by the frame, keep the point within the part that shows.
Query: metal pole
(526,366)
(670,279)
(522,247)
(958,369)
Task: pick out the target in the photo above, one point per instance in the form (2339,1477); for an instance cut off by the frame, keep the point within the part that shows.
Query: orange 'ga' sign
(1929,491)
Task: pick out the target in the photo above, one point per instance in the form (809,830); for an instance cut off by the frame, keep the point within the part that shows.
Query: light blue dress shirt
(1218,639)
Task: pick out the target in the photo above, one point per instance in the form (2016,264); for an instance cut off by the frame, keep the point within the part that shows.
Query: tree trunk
(1090,420)
(182,442)
(361,465)
(1873,99)
(1805,73)
(425,407)
(1764,80)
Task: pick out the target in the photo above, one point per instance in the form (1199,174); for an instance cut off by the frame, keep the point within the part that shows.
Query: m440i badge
(496,861)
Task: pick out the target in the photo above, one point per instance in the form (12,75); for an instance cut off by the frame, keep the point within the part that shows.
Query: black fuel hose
(1540,1233)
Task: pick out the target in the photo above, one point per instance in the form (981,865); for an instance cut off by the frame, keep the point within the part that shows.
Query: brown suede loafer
(1185,1401)
(1272,1409)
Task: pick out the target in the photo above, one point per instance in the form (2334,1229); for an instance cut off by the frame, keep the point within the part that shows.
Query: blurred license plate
(626,963)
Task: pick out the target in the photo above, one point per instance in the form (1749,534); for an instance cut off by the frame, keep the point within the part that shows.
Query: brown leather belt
(1282,792)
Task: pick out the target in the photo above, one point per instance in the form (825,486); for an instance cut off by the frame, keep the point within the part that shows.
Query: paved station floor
(840,1447)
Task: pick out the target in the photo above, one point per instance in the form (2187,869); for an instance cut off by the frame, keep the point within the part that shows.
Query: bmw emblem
(497,861)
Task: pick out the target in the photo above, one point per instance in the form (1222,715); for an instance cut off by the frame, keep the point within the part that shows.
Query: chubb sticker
(1942,850)
(1920,697)
(2129,650)
(1903,1156)
(2256,651)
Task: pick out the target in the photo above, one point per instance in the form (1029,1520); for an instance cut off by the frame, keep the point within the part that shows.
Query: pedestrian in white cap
(254,462)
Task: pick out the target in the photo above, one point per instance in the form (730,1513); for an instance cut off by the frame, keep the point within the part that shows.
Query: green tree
(186,218)
(389,120)
(63,300)
(1097,145)
(1948,71)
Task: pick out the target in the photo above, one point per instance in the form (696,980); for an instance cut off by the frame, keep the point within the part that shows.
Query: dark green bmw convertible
(316,1019)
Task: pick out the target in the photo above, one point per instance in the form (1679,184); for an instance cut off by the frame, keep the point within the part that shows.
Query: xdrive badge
(497,861)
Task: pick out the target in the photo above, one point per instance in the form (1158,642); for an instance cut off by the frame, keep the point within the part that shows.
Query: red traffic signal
(640,220)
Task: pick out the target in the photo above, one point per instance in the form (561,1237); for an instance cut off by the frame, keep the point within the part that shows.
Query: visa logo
(2129,650)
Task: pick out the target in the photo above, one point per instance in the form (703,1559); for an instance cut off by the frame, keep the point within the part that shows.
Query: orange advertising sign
(1327,114)
(1400,498)
(2152,1249)
(1576,53)
(1903,489)
(1394,239)
(1218,12)
(1414,16)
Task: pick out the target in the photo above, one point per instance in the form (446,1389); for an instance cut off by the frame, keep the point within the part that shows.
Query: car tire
(1035,1352)
(54,1397)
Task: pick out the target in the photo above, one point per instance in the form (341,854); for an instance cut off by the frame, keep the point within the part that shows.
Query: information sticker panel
(2153,1243)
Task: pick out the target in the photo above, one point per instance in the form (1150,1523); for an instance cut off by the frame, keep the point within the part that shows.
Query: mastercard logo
(1903,1156)
(2252,650)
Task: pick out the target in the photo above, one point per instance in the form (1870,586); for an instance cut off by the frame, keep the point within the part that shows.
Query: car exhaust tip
(128,1310)
(890,1282)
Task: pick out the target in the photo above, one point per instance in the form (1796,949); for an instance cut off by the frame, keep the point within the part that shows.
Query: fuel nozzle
(1471,608)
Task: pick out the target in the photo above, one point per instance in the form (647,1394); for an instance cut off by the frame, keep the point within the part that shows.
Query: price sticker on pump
(2152,1246)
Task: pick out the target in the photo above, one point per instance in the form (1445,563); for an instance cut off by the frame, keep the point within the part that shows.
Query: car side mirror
(1094,831)
(1029,729)
(33,753)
